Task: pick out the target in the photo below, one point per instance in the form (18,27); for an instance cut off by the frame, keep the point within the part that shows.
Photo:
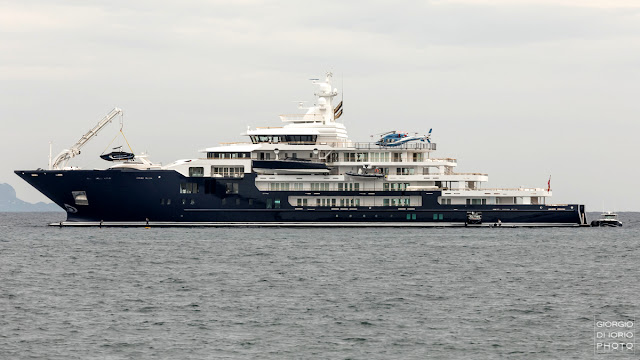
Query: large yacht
(305,172)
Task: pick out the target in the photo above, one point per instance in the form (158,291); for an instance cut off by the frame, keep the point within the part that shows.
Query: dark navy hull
(138,197)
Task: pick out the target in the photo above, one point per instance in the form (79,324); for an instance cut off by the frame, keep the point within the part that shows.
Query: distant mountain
(9,202)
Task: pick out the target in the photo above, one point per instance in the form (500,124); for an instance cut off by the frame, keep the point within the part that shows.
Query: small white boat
(607,219)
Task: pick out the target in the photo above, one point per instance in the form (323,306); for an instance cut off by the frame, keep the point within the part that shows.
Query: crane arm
(66,154)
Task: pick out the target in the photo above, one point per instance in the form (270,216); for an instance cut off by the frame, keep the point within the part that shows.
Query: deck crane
(65,155)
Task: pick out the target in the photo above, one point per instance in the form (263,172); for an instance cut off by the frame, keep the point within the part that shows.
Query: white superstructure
(318,137)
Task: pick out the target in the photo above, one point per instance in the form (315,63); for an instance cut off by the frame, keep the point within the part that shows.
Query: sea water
(335,293)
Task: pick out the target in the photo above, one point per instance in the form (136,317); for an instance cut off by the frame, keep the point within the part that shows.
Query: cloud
(487,75)
(603,4)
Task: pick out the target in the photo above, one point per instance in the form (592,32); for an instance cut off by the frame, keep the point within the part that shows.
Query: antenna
(50,145)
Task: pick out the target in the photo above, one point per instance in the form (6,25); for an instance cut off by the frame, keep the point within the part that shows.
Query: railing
(357,146)
(457,173)
(374,146)
(366,187)
(497,189)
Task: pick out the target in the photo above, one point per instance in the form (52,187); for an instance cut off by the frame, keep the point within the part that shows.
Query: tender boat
(118,156)
(607,219)
(373,174)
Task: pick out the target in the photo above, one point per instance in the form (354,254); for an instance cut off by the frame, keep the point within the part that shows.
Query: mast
(325,96)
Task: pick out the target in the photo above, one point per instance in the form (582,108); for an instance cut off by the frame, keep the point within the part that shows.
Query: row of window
(193,188)
(237,201)
(319,186)
(350,186)
(184,201)
(303,139)
(228,155)
(236,172)
(198,171)
(285,186)
(351,202)
(394,186)
(379,157)
(396,202)
(330,202)
(295,139)
(188,188)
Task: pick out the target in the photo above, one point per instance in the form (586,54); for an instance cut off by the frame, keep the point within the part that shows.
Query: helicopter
(394,138)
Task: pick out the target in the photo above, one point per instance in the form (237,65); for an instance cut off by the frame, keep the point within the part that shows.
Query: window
(362,157)
(250,201)
(269,203)
(188,188)
(385,202)
(277,203)
(196,171)
(304,202)
(299,202)
(237,202)
(231,188)
(80,197)
(349,157)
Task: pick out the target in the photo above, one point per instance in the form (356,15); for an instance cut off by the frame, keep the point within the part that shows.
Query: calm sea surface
(278,293)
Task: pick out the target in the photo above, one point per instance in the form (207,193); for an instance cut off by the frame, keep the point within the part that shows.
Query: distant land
(9,202)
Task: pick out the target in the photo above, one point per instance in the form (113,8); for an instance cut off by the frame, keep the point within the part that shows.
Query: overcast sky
(519,89)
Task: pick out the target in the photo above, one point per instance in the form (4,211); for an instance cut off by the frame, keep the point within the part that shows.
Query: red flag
(549,184)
